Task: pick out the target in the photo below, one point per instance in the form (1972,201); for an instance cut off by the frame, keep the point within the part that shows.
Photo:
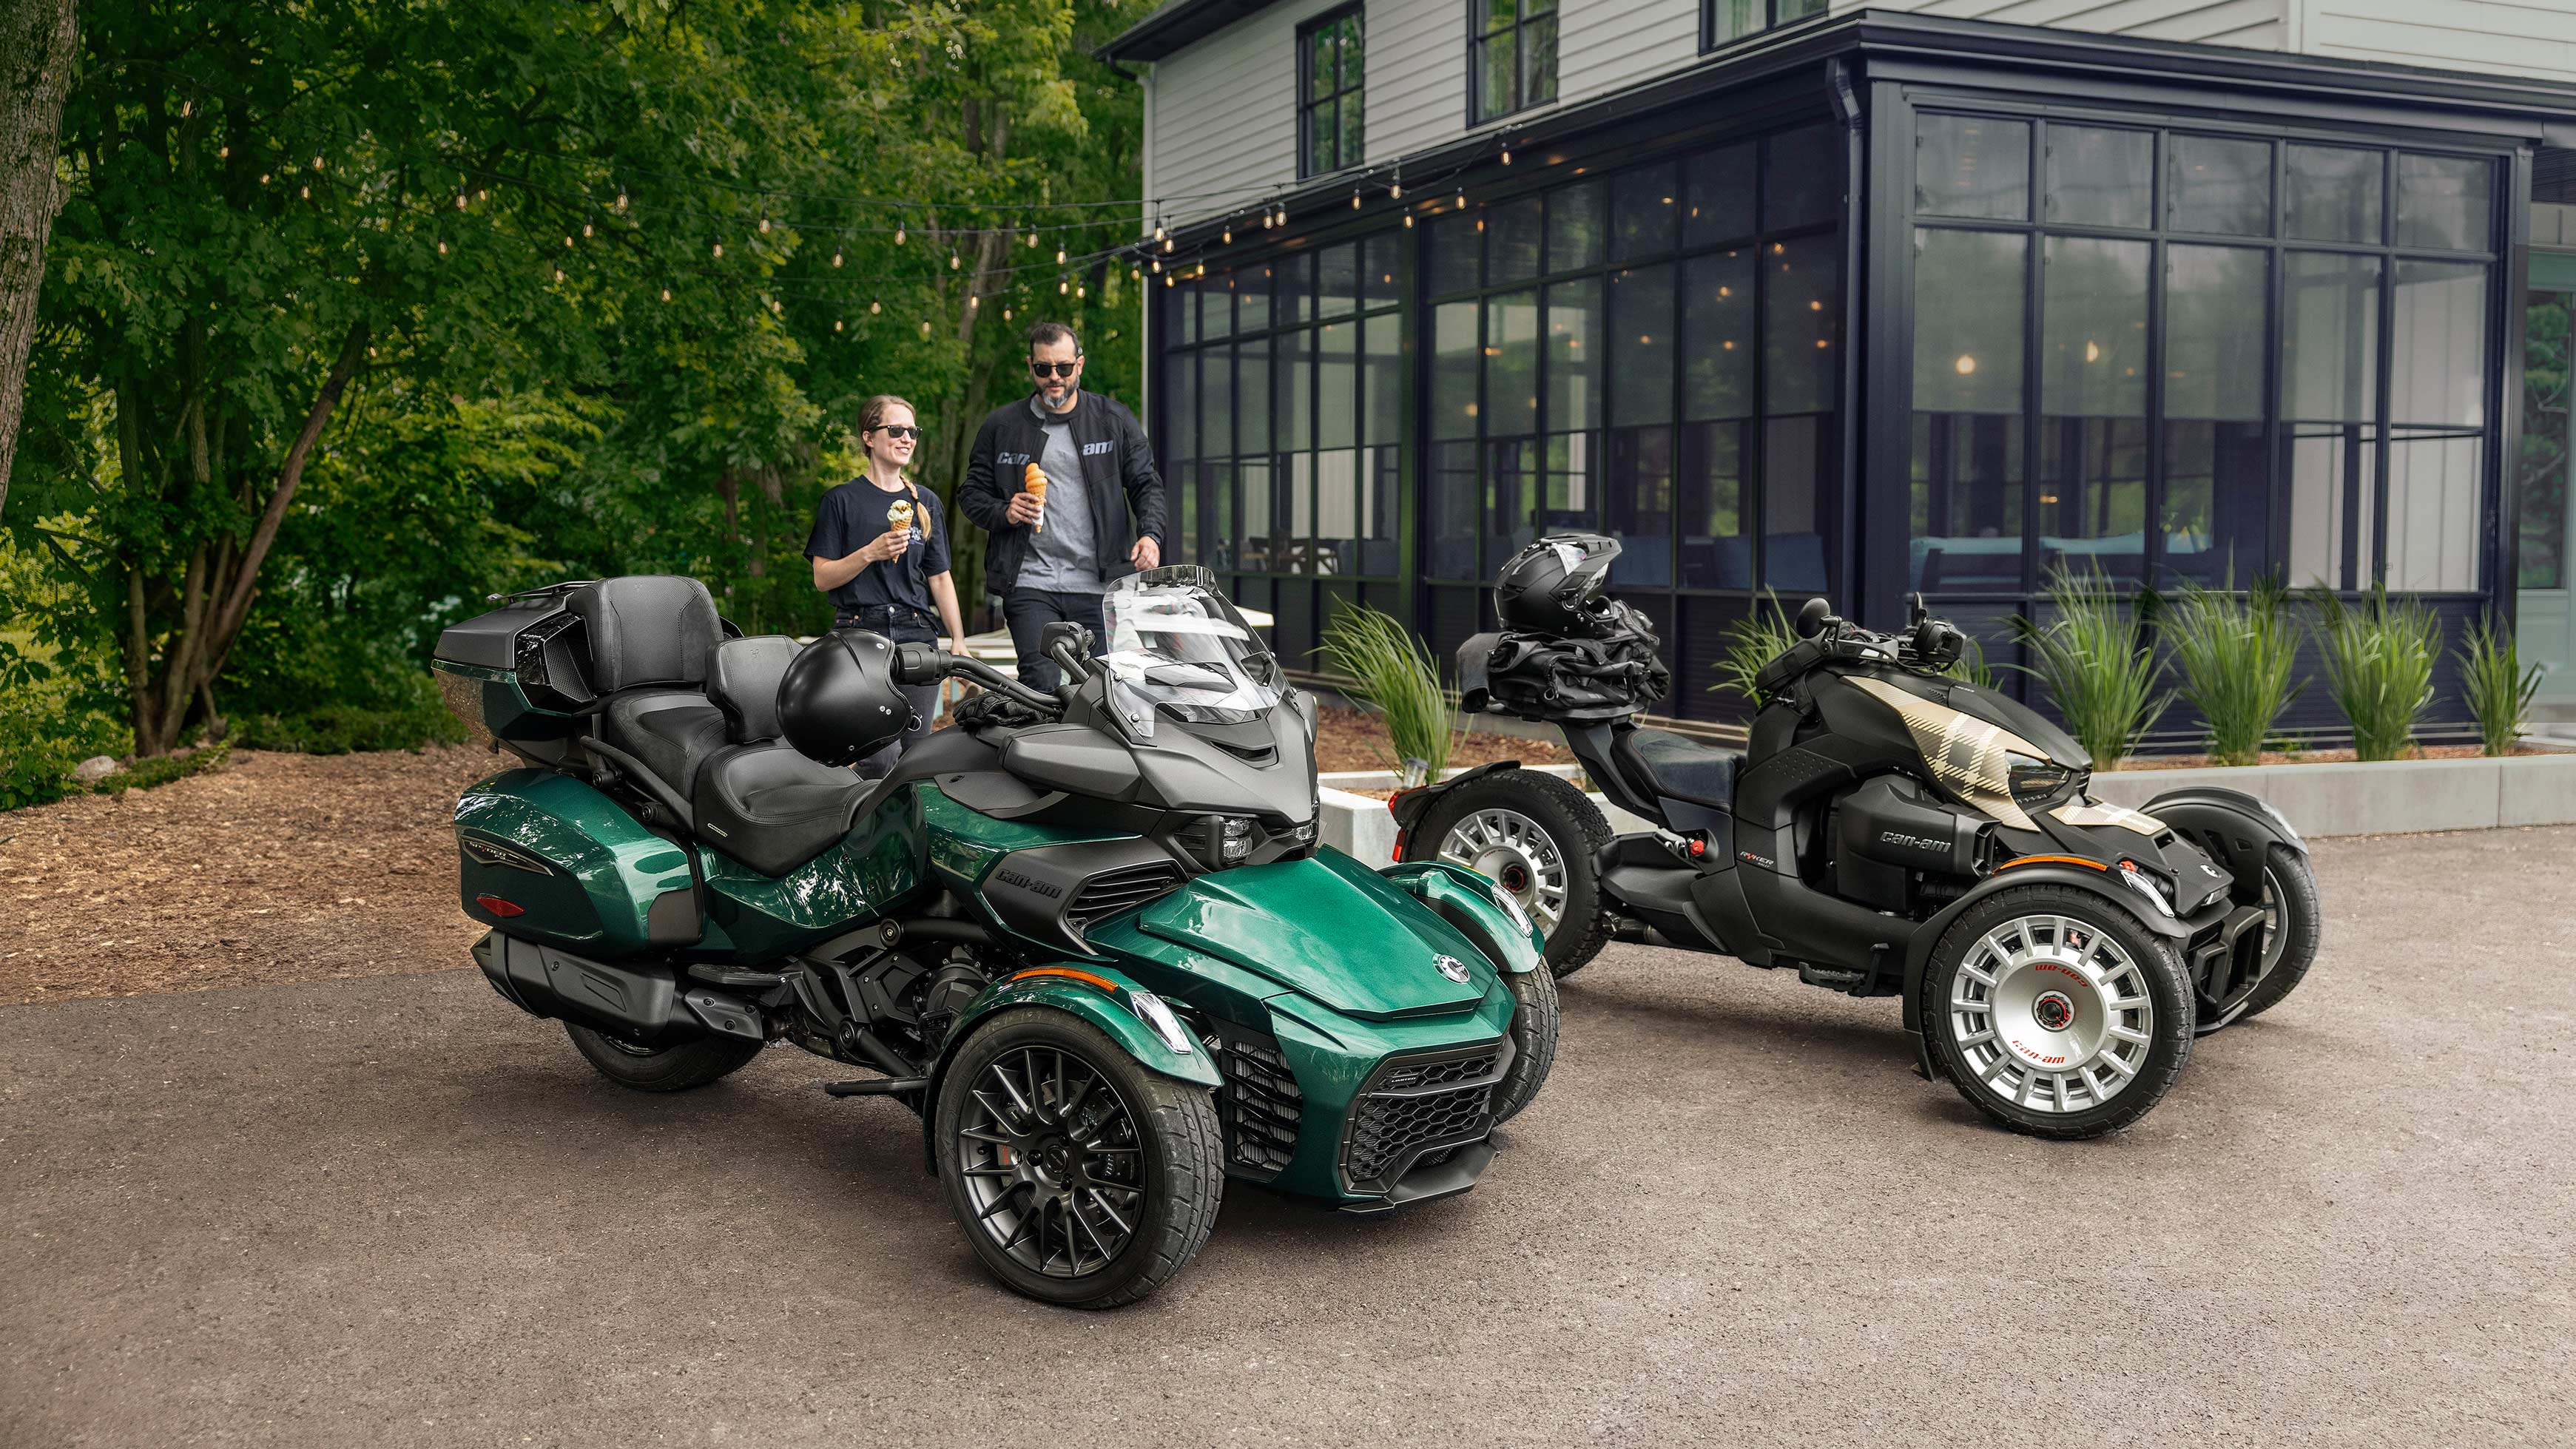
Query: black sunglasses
(1056,369)
(898,430)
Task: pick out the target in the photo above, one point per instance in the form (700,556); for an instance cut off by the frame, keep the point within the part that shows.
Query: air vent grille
(1116,892)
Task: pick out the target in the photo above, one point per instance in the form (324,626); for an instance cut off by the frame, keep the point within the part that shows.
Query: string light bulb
(952,261)
(898,236)
(305,191)
(621,201)
(1079,293)
(1167,247)
(836,259)
(1507,155)
(1355,200)
(185,107)
(585,228)
(1062,286)
(558,274)
(875,307)
(836,324)
(719,249)
(223,153)
(925,328)
(1006,314)
(317,163)
(442,249)
(1229,235)
(1408,221)
(482,193)
(1158,231)
(666,294)
(1059,256)
(764,226)
(1395,192)
(567,241)
(263,180)
(460,196)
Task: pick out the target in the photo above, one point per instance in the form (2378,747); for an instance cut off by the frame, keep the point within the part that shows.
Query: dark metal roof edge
(1173,26)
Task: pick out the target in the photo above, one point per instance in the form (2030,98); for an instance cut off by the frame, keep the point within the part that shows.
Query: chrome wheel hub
(2051,1015)
(1514,852)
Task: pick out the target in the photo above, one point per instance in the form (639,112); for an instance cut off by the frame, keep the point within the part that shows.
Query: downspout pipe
(1848,115)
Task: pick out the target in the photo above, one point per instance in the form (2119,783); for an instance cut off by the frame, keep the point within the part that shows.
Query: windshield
(1177,645)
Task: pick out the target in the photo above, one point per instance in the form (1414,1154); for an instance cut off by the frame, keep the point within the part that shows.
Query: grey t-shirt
(1063,557)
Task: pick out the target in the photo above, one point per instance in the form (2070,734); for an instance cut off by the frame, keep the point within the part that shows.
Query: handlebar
(929,664)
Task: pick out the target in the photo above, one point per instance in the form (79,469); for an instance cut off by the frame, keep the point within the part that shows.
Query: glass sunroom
(1874,306)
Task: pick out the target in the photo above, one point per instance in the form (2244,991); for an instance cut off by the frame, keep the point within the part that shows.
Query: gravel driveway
(394,1211)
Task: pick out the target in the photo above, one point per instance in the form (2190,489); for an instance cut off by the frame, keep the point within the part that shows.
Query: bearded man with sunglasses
(1051,556)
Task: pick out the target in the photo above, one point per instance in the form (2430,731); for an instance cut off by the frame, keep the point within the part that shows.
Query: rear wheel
(2293,922)
(1534,1023)
(1535,836)
(1081,1178)
(673,1068)
(2056,1014)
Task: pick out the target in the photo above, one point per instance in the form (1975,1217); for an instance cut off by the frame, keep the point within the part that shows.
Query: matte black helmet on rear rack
(1554,585)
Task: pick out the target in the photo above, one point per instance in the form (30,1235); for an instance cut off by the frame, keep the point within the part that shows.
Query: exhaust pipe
(643,1004)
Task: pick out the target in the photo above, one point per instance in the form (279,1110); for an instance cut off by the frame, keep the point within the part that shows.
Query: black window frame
(1771,20)
(1517,33)
(1347,153)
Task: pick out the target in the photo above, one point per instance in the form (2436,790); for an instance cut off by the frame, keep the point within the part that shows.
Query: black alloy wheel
(1081,1178)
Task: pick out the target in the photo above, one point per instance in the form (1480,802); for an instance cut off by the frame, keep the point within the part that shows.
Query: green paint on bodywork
(1468,902)
(1332,1063)
(608,867)
(1335,934)
(965,842)
(874,869)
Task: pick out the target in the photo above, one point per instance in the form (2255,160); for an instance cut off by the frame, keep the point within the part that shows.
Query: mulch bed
(276,868)
(1350,739)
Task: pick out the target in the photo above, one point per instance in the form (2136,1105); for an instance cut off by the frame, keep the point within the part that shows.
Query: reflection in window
(1512,234)
(2330,371)
(1254,518)
(1717,196)
(1717,325)
(1645,212)
(1451,260)
(1511,493)
(1797,493)
(1216,402)
(1511,62)
(1641,506)
(1574,354)
(2437,404)
(1451,512)
(1511,363)
(1382,382)
(2541,470)
(1716,549)
(1799,314)
(1641,345)
(1337,346)
(1252,385)
(2098,176)
(2442,202)
(2332,193)
(1802,177)
(1974,166)
(2093,405)
(1567,499)
(2218,494)
(1575,227)
(1454,370)
(2216,184)
(1328,104)
(1968,466)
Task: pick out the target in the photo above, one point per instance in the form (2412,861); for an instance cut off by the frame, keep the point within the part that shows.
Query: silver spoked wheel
(1511,849)
(2051,1015)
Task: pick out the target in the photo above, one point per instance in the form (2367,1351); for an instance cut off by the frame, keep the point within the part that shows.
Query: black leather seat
(757,799)
(1680,767)
(649,636)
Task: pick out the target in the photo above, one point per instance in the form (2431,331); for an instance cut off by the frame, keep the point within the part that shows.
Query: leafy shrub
(162,769)
(346,729)
(1391,671)
(2235,656)
(2379,667)
(39,745)
(1751,642)
(2500,687)
(2094,664)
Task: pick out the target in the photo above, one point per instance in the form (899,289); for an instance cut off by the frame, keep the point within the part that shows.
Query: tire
(1497,820)
(1534,1023)
(674,1068)
(2021,960)
(1152,1160)
(2293,886)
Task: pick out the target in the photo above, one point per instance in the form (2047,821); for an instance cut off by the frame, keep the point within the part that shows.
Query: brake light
(500,907)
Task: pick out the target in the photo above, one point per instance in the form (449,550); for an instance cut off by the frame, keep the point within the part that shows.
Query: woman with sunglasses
(879,552)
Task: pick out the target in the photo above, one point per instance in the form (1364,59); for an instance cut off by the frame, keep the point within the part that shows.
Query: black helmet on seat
(838,701)
(1554,585)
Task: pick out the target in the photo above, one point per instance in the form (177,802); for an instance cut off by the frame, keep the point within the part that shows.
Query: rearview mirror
(1812,617)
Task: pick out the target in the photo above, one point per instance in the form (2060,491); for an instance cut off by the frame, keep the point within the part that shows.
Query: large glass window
(2254,356)
(2548,384)
(1673,379)
(1511,59)
(1723,22)
(1282,411)
(1330,131)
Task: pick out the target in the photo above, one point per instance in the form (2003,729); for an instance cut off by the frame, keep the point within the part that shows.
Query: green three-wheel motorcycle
(1088,936)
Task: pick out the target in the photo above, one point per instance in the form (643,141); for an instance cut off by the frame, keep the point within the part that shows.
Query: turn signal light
(500,907)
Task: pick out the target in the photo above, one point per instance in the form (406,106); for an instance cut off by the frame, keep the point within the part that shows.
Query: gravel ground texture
(394,1210)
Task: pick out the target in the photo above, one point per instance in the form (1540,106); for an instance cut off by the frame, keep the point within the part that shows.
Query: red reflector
(500,907)
(1398,856)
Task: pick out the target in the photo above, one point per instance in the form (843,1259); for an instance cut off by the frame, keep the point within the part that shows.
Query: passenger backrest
(647,629)
(742,678)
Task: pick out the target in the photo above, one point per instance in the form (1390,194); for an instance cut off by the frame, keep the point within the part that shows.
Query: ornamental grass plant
(2095,664)
(2379,659)
(1391,672)
(2236,655)
(2499,685)
(1751,642)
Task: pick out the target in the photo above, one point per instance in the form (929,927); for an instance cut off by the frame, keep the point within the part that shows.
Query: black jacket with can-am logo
(1116,461)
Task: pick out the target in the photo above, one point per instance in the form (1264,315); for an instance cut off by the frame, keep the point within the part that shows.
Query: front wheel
(2056,1014)
(1535,836)
(1534,1023)
(1081,1178)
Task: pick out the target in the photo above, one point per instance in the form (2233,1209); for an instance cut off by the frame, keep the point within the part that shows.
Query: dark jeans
(903,626)
(1029,611)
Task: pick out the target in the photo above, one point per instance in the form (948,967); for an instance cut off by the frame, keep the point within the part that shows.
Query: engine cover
(1888,826)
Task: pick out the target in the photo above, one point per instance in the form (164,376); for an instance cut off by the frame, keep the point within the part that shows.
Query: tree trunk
(38,42)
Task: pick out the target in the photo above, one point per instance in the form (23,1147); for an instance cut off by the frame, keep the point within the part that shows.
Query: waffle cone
(1034,479)
(899,514)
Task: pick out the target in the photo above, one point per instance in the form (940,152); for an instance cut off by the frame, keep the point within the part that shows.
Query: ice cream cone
(1035,480)
(899,515)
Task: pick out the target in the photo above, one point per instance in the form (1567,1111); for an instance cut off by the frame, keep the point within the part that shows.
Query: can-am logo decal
(493,852)
(1013,877)
(1451,967)
(1092,449)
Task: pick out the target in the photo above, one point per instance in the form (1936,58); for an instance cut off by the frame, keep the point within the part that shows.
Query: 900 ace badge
(1451,967)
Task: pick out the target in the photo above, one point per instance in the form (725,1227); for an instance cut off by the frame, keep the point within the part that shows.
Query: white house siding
(1223,126)
(1604,45)
(2534,38)
(1417,75)
(2256,24)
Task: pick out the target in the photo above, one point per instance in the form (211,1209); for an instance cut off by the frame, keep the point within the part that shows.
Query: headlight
(2035,782)
(2144,885)
(1512,908)
(1151,1010)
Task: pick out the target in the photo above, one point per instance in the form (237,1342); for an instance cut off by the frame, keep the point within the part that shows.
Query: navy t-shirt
(852,516)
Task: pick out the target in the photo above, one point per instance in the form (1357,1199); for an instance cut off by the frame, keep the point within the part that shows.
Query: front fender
(1100,995)
(1472,904)
(2232,826)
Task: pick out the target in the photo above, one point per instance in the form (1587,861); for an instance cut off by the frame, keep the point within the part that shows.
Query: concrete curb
(2382,797)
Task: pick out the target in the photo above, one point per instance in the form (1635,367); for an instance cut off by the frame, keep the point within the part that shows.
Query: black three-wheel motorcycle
(1890,830)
